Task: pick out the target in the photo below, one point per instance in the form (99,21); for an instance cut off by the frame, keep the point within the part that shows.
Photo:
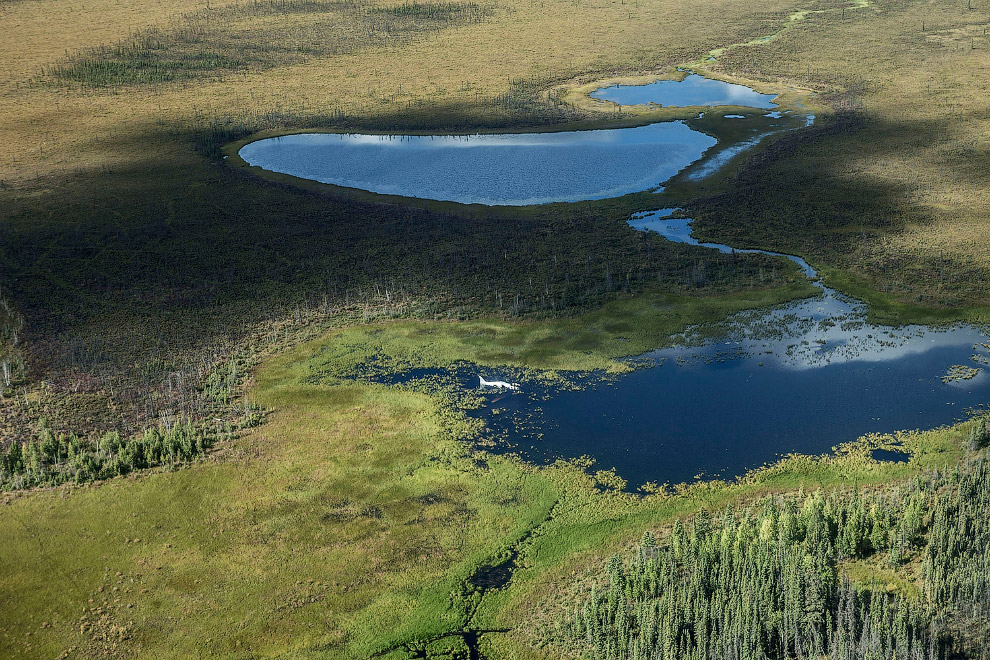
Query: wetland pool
(692,90)
(725,407)
(519,169)
(512,169)
(794,379)
(801,377)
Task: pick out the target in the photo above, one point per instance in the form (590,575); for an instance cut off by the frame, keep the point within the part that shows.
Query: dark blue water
(723,408)
(803,377)
(720,416)
(511,169)
(889,455)
(693,90)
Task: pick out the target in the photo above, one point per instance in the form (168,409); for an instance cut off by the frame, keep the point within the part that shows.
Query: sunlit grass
(350,522)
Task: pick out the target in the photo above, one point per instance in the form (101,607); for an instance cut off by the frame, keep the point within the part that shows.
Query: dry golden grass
(43,31)
(919,74)
(52,130)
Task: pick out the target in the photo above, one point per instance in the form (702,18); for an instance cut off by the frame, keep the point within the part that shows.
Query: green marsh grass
(139,261)
(351,522)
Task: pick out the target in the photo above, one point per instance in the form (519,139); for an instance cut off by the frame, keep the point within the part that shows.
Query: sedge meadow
(240,414)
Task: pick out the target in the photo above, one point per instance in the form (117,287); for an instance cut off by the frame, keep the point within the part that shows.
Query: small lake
(508,169)
(692,90)
(802,377)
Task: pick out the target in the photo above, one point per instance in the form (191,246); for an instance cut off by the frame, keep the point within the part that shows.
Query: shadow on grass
(155,269)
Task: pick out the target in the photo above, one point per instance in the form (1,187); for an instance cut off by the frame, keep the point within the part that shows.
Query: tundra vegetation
(156,302)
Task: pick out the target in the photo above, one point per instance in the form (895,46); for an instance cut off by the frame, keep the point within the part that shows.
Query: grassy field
(137,266)
(352,521)
(894,193)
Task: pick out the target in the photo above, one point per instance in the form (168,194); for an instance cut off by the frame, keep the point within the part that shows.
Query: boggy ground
(350,524)
(140,265)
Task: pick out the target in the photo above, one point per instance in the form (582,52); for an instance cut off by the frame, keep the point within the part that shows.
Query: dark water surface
(693,90)
(510,169)
(723,408)
(802,377)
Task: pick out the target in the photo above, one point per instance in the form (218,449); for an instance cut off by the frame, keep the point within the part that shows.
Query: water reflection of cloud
(817,348)
(813,333)
(506,169)
(670,132)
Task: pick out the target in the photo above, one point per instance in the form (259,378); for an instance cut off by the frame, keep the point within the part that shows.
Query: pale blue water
(510,169)
(693,90)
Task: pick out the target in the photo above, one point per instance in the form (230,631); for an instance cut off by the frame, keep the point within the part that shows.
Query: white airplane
(501,384)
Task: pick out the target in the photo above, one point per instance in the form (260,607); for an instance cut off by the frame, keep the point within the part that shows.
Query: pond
(720,409)
(802,377)
(692,90)
(508,169)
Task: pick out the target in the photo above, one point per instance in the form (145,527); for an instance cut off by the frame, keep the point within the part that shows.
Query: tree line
(49,459)
(770,581)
